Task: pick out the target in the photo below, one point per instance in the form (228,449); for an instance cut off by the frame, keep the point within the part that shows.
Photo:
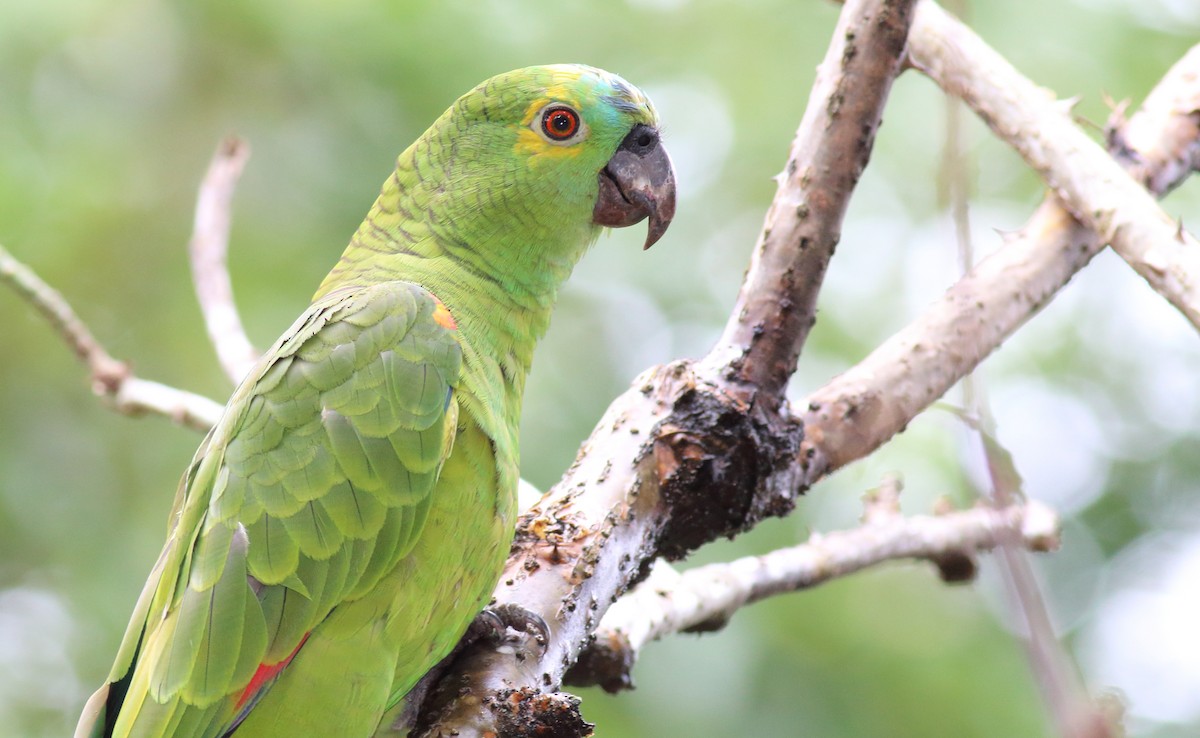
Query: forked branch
(1091,184)
(111,379)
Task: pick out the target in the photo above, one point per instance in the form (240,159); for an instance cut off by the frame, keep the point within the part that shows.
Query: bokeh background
(109,110)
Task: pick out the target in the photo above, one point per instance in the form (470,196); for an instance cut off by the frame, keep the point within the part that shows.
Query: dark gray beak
(637,182)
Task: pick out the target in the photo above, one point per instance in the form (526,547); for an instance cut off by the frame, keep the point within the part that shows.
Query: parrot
(350,513)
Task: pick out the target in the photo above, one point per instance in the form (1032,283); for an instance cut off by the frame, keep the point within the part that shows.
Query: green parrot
(350,513)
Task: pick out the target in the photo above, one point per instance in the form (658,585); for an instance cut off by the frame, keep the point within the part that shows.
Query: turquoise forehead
(605,86)
(572,81)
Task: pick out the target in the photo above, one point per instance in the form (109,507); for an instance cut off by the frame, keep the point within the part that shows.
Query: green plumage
(350,513)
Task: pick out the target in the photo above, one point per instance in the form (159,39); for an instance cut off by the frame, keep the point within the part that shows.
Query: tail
(103,711)
(93,723)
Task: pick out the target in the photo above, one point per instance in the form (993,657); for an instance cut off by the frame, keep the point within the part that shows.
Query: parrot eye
(559,123)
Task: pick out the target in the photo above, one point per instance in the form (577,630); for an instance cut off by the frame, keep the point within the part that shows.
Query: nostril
(640,141)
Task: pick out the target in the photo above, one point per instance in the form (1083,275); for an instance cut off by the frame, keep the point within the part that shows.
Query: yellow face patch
(532,144)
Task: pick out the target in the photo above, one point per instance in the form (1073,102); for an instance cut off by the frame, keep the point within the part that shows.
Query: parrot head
(508,188)
(569,140)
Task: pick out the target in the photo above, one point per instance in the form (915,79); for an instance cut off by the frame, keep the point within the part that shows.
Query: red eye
(560,123)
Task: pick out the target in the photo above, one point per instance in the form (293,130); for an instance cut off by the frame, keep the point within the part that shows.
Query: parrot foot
(493,623)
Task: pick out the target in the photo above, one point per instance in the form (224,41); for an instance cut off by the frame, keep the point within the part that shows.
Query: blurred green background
(109,110)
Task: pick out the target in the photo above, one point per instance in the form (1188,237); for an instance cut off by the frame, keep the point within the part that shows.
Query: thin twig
(135,396)
(1048,659)
(111,379)
(1073,715)
(208,249)
(1089,182)
(708,596)
(62,318)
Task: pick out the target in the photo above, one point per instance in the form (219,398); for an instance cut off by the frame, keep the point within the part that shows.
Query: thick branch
(111,379)
(777,304)
(686,455)
(708,596)
(714,464)
(1088,181)
(711,463)
(208,249)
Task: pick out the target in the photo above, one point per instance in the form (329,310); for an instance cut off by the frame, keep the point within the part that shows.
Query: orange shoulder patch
(442,315)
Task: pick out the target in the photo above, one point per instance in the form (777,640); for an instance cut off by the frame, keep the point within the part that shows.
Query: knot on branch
(527,713)
(108,374)
(719,461)
(457,708)
(604,662)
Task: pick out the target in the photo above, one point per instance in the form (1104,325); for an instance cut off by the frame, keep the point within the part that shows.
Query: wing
(310,489)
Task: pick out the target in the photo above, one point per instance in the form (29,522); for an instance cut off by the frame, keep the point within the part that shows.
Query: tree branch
(777,304)
(859,410)
(1065,697)
(1160,144)
(208,248)
(111,379)
(686,455)
(1089,182)
(691,453)
(706,597)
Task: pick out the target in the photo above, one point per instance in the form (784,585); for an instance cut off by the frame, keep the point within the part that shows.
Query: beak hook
(637,182)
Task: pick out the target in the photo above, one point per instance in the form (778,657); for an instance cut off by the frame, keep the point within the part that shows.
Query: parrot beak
(638,181)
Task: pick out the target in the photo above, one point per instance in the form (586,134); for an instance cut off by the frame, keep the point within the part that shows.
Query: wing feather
(312,487)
